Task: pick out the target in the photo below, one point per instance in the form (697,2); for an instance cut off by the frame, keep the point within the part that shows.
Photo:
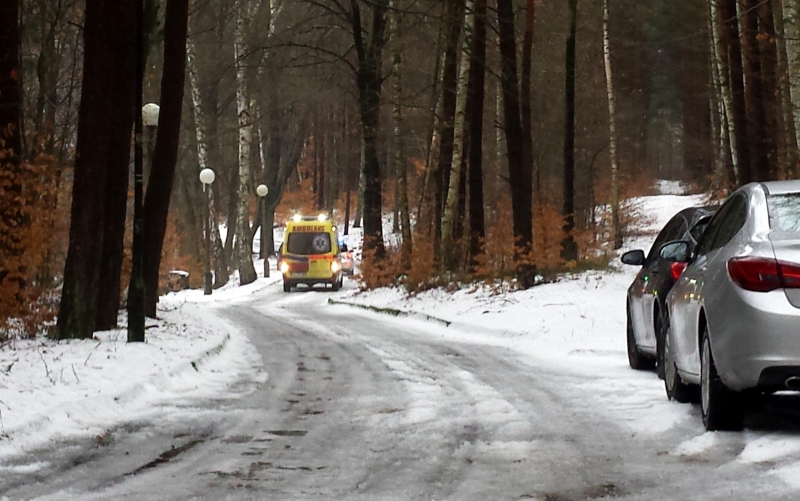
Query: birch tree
(720,77)
(729,22)
(397,133)
(244,245)
(220,266)
(451,204)
(612,131)
(453,14)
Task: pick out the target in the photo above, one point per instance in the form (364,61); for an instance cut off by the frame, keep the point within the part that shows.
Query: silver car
(733,317)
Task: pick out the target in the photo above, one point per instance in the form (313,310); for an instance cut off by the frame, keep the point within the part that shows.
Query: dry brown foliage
(33,240)
(298,200)
(497,263)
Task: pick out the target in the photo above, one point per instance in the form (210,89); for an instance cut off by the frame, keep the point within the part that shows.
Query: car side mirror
(633,258)
(675,252)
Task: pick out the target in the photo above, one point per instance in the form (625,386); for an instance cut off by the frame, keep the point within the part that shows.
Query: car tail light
(763,274)
(790,275)
(676,269)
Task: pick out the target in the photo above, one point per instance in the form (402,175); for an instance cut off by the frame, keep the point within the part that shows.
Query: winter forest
(497,139)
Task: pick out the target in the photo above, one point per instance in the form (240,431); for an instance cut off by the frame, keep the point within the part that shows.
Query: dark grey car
(656,277)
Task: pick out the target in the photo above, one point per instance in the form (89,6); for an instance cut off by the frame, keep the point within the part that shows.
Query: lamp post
(262,191)
(207,177)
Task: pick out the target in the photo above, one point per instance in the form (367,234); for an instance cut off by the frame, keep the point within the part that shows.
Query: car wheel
(722,408)
(335,286)
(287,287)
(661,333)
(677,390)
(636,359)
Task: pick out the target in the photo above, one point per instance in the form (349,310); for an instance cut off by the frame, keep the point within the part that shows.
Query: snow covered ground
(56,390)
(53,390)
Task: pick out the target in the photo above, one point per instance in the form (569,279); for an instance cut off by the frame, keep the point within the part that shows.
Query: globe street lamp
(207,177)
(150,113)
(262,192)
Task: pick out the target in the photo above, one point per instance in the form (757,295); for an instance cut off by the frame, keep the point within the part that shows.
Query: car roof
(782,187)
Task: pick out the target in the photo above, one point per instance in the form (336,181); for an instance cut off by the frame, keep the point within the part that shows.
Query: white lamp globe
(207,176)
(150,114)
(262,190)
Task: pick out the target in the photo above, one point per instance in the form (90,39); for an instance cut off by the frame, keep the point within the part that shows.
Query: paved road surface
(364,407)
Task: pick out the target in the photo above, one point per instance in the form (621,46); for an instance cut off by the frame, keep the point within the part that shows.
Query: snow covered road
(362,406)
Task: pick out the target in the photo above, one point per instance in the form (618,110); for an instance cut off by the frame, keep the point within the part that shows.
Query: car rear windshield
(784,212)
(309,243)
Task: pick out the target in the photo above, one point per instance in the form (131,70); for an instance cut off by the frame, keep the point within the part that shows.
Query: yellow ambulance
(310,253)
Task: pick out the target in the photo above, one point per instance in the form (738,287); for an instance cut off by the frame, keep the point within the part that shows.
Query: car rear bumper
(754,338)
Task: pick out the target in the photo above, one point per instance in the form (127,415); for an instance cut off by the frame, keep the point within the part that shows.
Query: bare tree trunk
(792,157)
(47,66)
(754,95)
(525,90)
(569,250)
(244,247)
(369,50)
(791,20)
(165,154)
(612,131)
(433,136)
(723,175)
(769,64)
(397,134)
(448,243)
(116,204)
(730,40)
(217,250)
(499,153)
(230,223)
(475,94)
(109,44)
(520,174)
(362,185)
(454,13)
